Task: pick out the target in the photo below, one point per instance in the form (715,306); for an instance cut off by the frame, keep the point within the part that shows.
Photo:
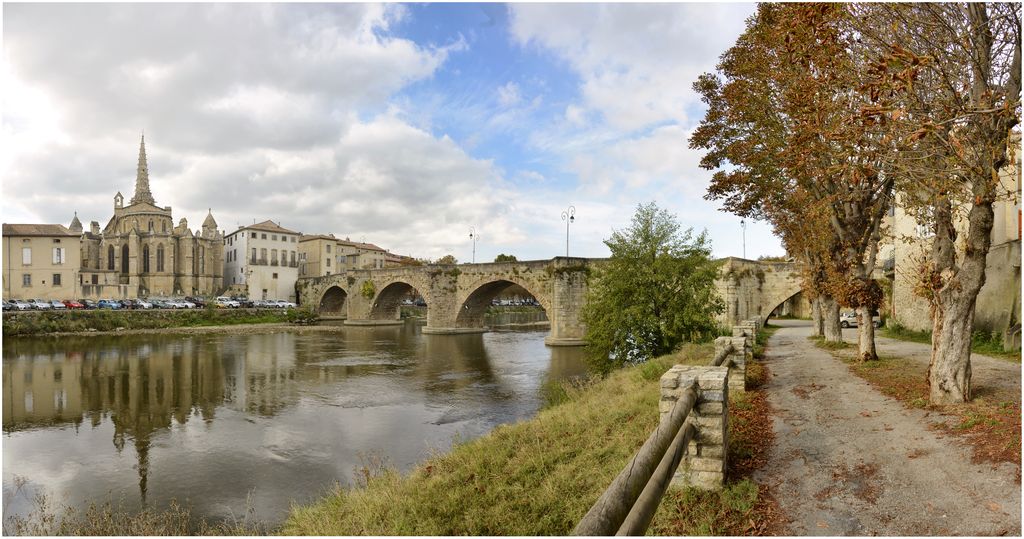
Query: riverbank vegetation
(43,323)
(988,344)
(656,291)
(540,476)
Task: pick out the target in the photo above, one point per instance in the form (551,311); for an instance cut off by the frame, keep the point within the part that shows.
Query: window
(252,235)
(275,276)
(284,238)
(328,248)
(263,236)
(58,255)
(26,256)
(293,257)
(56,279)
(273,237)
(145,259)
(254,254)
(293,239)
(159,257)
(163,227)
(26,279)
(55,240)
(263,255)
(95,279)
(150,225)
(202,260)
(110,257)
(273,256)
(328,262)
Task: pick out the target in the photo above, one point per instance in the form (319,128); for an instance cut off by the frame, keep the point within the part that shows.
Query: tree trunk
(817,320)
(949,373)
(866,335)
(830,316)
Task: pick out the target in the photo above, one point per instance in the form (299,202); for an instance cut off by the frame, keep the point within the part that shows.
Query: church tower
(142,193)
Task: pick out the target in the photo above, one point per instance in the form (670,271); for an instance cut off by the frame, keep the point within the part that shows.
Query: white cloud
(508,95)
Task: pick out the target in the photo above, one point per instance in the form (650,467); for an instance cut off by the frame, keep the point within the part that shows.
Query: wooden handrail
(721,355)
(611,509)
(646,505)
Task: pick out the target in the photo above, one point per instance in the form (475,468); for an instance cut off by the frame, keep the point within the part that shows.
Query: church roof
(75,223)
(268,226)
(33,229)
(209,222)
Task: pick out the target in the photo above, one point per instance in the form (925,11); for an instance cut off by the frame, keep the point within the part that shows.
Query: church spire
(142,193)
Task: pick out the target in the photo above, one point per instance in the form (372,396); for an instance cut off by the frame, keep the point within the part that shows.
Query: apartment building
(262,260)
(321,254)
(41,261)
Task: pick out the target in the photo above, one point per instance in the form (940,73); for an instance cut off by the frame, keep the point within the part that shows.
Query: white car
(224,301)
(40,304)
(848,319)
(143,304)
(58,305)
(22,305)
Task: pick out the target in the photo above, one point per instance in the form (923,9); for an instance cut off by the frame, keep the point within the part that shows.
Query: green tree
(506,258)
(446,259)
(656,291)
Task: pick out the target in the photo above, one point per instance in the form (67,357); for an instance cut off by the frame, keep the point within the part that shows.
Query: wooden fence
(692,431)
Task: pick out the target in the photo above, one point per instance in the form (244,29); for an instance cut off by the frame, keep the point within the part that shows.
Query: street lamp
(569,216)
(473,236)
(743,225)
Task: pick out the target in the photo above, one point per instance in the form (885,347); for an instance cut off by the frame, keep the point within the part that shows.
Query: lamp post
(743,225)
(569,216)
(473,236)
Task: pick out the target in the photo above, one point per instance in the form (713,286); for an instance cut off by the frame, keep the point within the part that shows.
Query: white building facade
(262,260)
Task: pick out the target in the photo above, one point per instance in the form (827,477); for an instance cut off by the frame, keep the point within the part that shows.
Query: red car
(72,304)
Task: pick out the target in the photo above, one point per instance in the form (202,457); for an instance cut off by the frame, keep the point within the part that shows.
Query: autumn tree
(446,259)
(959,115)
(655,291)
(505,258)
(793,129)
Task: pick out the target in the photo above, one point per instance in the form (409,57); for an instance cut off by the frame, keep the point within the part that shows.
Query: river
(228,423)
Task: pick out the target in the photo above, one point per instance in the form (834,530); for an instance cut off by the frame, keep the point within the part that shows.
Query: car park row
(221,302)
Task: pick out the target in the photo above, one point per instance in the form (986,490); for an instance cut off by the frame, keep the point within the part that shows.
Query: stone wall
(753,288)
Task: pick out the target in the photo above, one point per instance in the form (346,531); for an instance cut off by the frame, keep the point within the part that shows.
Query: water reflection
(282,415)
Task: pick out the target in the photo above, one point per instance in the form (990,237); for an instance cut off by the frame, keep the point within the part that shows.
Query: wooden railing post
(703,465)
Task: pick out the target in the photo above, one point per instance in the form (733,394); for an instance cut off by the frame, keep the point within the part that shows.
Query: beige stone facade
(40,262)
(321,255)
(141,253)
(998,305)
(261,261)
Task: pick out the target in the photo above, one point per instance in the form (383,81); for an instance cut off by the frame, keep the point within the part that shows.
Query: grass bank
(42,323)
(982,342)
(540,476)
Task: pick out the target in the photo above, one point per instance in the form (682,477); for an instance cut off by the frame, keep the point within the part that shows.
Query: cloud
(637,61)
(508,95)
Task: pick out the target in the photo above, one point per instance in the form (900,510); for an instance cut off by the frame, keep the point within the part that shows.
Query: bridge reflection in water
(213,418)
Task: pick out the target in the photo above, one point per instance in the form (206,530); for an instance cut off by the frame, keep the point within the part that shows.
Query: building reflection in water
(144,385)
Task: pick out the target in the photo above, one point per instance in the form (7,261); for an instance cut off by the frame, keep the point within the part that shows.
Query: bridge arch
(333,301)
(776,300)
(472,306)
(387,301)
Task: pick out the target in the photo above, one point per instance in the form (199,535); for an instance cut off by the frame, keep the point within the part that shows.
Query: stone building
(261,261)
(321,255)
(40,262)
(140,252)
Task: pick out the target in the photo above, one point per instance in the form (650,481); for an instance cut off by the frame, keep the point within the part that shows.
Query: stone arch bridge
(457,296)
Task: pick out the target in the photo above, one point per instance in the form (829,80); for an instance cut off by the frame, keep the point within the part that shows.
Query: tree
(446,259)
(505,258)
(959,113)
(656,291)
(798,117)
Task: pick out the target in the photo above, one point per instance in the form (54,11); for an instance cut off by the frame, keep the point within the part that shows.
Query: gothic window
(151,225)
(160,257)
(163,227)
(202,260)
(195,262)
(124,259)
(110,257)
(145,259)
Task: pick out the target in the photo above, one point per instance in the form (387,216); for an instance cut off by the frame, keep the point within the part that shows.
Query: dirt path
(849,461)
(988,374)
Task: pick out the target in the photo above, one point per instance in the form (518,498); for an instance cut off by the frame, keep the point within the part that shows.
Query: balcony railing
(258,261)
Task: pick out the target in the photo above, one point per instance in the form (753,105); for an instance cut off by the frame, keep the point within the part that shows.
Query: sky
(403,125)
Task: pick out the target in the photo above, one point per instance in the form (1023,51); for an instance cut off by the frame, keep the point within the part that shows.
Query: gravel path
(988,374)
(849,461)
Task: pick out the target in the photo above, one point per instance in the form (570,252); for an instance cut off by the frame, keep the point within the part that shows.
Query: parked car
(186,304)
(57,305)
(108,304)
(72,304)
(159,303)
(199,302)
(420,302)
(286,304)
(848,319)
(127,303)
(7,305)
(22,305)
(87,303)
(225,303)
(143,304)
(41,304)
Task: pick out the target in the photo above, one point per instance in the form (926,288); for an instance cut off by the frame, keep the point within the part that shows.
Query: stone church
(141,253)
